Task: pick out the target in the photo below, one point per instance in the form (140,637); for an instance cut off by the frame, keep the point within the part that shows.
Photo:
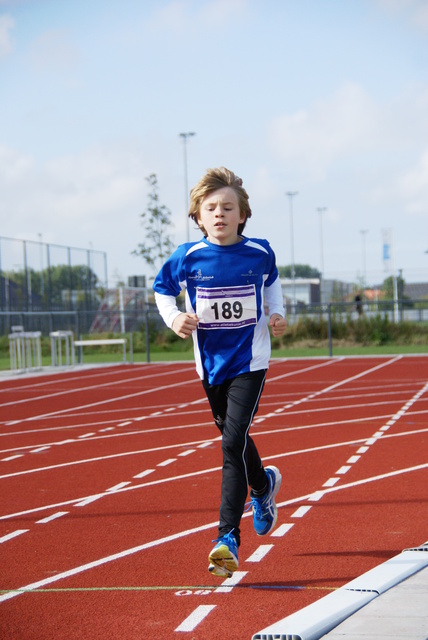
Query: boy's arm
(183,324)
(275,303)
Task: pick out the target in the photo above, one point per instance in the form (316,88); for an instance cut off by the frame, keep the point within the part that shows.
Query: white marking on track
(165,463)
(301,511)
(282,530)
(118,486)
(54,516)
(145,473)
(343,470)
(89,499)
(196,617)
(316,496)
(260,553)
(331,482)
(229,583)
(13,534)
(363,449)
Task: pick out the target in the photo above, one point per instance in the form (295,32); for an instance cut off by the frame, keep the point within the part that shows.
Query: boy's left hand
(278,324)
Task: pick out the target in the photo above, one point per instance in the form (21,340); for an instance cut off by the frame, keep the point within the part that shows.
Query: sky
(327,99)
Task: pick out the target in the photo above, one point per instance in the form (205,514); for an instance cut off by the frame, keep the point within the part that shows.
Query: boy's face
(220,216)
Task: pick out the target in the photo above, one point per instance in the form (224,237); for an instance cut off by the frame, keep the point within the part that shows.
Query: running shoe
(265,512)
(224,557)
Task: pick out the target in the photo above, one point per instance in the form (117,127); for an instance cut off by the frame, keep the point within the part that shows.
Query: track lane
(281,576)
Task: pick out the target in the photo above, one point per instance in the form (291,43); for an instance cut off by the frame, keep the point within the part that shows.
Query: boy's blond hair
(213,180)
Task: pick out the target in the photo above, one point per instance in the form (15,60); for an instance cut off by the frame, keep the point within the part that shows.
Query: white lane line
(40,449)
(14,534)
(195,618)
(317,495)
(86,435)
(260,553)
(18,455)
(118,486)
(165,463)
(90,499)
(301,511)
(343,470)
(353,459)
(331,482)
(229,583)
(54,516)
(282,530)
(183,454)
(363,449)
(145,473)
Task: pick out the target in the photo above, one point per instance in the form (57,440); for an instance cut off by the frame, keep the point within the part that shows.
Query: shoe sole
(222,561)
(219,571)
(277,486)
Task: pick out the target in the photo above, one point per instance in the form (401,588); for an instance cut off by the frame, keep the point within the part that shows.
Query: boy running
(228,279)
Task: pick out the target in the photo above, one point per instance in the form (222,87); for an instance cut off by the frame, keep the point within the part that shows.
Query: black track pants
(234,404)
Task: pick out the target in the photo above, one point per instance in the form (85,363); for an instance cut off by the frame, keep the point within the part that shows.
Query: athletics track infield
(110,481)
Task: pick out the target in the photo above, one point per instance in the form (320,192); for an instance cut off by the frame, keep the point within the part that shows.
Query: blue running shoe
(265,512)
(224,557)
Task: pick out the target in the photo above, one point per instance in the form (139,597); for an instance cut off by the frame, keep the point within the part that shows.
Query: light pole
(321,211)
(41,265)
(291,194)
(185,136)
(363,233)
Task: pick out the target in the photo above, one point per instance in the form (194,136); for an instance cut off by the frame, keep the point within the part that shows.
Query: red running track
(110,484)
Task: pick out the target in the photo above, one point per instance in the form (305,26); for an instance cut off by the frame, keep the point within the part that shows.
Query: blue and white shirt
(227,287)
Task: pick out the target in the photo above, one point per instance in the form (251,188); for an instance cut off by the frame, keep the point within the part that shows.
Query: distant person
(359,304)
(228,278)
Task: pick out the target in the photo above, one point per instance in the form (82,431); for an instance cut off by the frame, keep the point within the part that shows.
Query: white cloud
(413,187)
(71,198)
(181,15)
(312,139)
(6,25)
(54,51)
(415,10)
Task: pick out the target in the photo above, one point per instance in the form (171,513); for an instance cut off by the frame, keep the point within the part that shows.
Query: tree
(156,221)
(300,271)
(388,288)
(58,283)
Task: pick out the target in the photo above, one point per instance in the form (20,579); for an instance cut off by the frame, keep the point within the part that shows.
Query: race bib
(226,307)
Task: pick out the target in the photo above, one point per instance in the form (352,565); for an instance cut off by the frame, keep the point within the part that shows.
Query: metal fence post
(146,320)
(330,346)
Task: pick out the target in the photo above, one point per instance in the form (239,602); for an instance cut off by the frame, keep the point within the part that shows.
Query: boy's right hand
(185,324)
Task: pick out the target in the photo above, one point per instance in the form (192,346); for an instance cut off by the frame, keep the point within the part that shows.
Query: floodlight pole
(363,233)
(185,136)
(321,210)
(291,194)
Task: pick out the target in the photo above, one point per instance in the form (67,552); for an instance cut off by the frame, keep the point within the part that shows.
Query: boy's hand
(185,324)
(278,324)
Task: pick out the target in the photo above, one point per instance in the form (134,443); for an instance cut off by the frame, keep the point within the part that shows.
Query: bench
(100,343)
